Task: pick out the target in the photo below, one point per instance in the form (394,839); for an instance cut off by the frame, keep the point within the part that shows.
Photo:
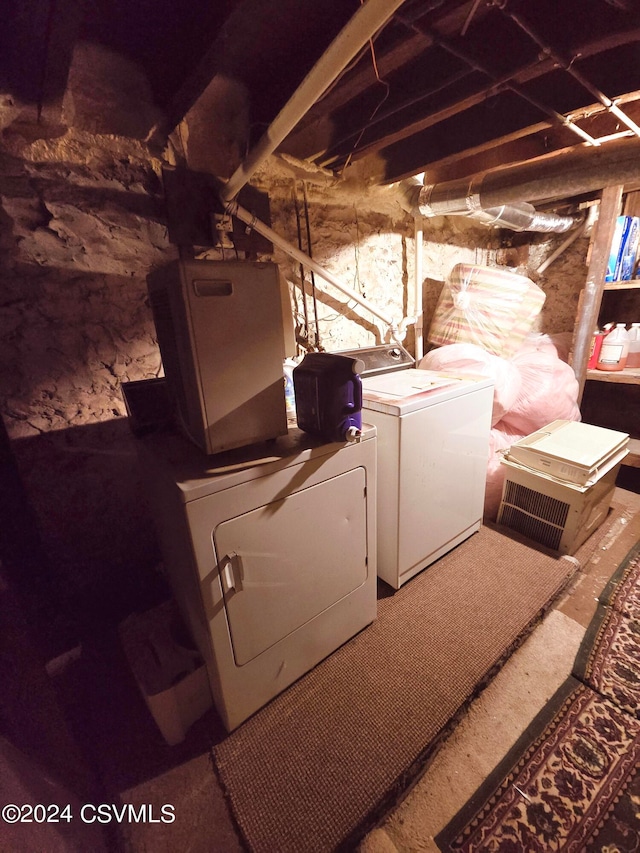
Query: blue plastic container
(328,392)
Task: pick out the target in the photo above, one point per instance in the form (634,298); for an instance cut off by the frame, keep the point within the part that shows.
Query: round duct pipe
(524,217)
(446,200)
(554,176)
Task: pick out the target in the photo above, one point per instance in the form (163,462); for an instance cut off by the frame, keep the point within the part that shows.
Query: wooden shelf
(623,285)
(633,459)
(596,299)
(628,376)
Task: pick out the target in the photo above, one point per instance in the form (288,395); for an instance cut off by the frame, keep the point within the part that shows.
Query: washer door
(284,563)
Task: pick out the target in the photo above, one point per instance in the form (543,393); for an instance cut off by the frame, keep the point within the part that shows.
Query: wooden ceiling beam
(268,46)
(353,83)
(467,94)
(319,140)
(527,144)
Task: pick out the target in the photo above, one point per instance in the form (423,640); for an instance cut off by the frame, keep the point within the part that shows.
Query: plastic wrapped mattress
(492,308)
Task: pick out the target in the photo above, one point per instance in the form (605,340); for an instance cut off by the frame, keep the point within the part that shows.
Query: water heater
(221,333)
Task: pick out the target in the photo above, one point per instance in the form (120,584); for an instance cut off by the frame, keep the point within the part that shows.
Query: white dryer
(271,553)
(433,446)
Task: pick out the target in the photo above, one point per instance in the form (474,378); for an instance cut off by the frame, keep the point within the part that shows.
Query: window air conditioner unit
(559,516)
(555,512)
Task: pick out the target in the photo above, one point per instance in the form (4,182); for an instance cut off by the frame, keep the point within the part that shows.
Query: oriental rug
(570,784)
(609,658)
(572,781)
(623,590)
(320,765)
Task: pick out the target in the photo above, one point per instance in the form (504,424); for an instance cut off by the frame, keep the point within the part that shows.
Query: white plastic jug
(289,394)
(633,359)
(615,349)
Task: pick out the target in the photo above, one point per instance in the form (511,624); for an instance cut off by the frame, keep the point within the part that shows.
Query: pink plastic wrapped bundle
(499,441)
(558,344)
(531,389)
(471,360)
(549,391)
(490,307)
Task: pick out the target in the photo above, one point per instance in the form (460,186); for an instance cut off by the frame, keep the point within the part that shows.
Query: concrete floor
(134,766)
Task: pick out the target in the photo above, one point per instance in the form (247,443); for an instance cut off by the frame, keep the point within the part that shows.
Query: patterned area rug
(577,761)
(623,590)
(609,658)
(572,781)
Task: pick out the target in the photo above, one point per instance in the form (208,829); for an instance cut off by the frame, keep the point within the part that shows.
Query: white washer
(433,445)
(271,553)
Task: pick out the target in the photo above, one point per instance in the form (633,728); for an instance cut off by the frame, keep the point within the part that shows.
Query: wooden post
(591,297)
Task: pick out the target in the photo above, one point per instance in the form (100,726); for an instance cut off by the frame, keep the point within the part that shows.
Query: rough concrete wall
(562,281)
(363,237)
(367,242)
(82,222)
(79,239)
(367,252)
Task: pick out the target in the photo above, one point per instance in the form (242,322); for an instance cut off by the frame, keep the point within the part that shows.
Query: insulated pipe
(519,216)
(369,18)
(234,209)
(586,226)
(559,175)
(563,174)
(418,328)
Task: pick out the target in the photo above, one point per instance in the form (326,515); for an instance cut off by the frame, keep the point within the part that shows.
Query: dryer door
(284,563)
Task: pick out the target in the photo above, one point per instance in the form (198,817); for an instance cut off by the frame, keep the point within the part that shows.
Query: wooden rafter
(463,97)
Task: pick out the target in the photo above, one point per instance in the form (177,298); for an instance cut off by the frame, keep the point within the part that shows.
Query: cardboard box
(168,670)
(624,249)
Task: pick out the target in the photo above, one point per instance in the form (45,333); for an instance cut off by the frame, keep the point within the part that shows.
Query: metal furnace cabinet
(271,554)
(433,448)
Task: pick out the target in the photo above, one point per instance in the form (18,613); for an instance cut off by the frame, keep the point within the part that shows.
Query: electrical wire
(313,279)
(302,272)
(354,62)
(356,278)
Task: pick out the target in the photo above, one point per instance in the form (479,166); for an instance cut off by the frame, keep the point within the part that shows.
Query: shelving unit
(628,376)
(619,399)
(622,285)
(634,453)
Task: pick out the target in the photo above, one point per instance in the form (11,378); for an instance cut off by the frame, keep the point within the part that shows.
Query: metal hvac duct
(456,199)
(502,197)
(522,216)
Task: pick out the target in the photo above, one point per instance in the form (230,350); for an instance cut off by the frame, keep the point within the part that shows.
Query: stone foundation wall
(81,223)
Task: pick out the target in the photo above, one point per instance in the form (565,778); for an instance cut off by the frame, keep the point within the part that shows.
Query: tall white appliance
(222,329)
(433,446)
(271,554)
